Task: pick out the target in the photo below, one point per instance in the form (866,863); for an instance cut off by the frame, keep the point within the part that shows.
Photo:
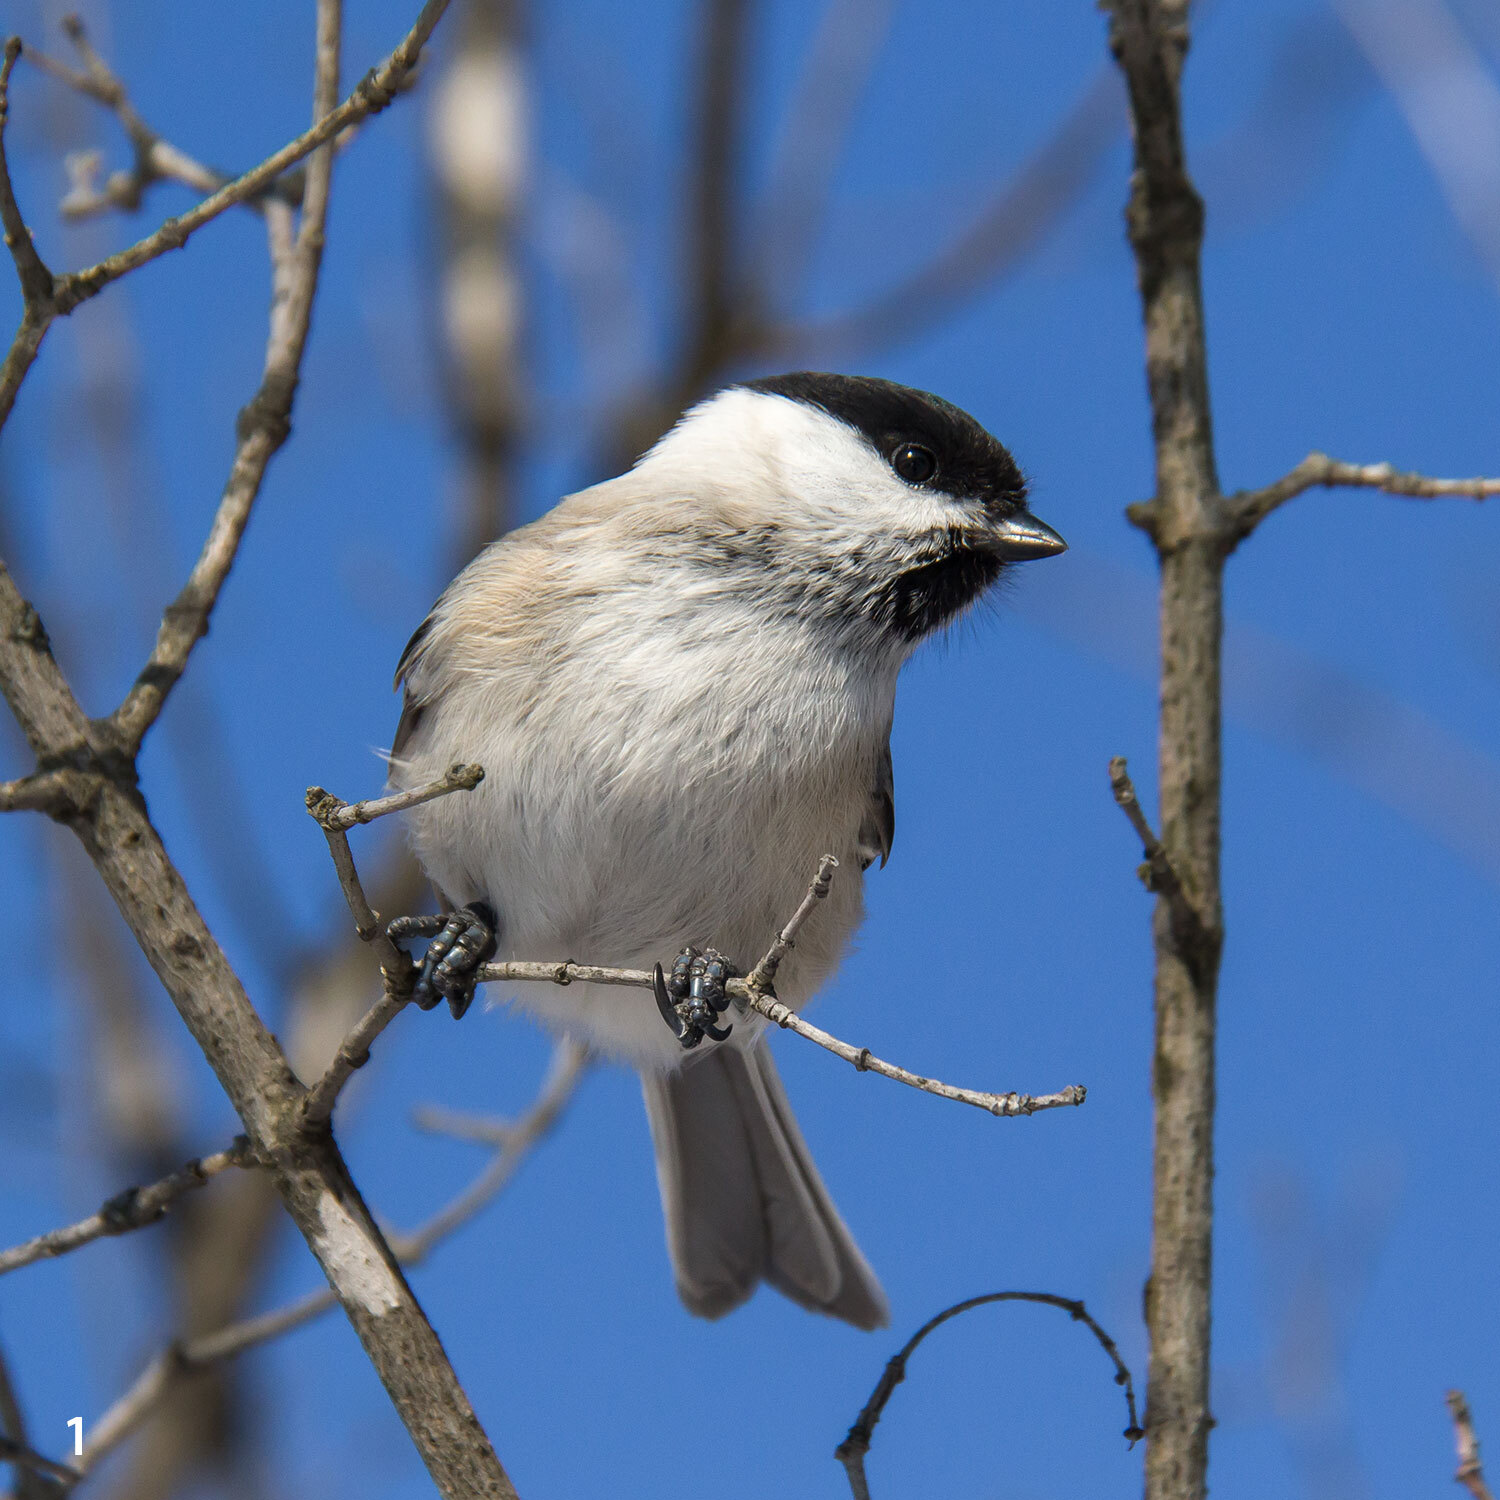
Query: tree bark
(1186,521)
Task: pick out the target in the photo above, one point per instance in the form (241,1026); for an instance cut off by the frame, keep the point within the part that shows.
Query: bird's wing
(877,830)
(413,702)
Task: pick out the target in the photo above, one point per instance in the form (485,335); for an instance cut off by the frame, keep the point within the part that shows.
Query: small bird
(680,683)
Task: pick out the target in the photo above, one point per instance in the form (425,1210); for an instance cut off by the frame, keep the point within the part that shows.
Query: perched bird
(680,684)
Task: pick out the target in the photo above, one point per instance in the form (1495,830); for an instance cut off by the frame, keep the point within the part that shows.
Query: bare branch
(513,1142)
(373,93)
(1470,1473)
(132,1209)
(354,1050)
(59,295)
(35,278)
(36,319)
(335,817)
(116,832)
(753,992)
(264,424)
(334,814)
(55,792)
(851,1452)
(366,923)
(1164,222)
(1248,508)
(155,160)
(763,975)
(1159,874)
(866,1061)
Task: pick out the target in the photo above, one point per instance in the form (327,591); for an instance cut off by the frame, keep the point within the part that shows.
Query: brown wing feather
(877,831)
(412,707)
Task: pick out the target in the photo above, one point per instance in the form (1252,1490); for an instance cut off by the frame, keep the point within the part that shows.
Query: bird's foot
(461,941)
(692,999)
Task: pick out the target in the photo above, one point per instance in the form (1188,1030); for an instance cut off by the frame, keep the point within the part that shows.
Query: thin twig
(36,280)
(1247,509)
(53,297)
(264,424)
(332,813)
(159,1377)
(763,975)
(132,1209)
(1158,874)
(1470,1473)
(851,1452)
(335,816)
(754,992)
(354,1051)
(372,94)
(862,1058)
(155,160)
(366,923)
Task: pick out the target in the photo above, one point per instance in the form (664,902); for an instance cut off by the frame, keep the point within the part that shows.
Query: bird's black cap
(971,464)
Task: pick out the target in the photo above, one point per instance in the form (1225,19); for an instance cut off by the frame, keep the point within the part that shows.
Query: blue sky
(1007,941)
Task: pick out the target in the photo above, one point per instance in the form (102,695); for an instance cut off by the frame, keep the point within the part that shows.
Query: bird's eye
(914,463)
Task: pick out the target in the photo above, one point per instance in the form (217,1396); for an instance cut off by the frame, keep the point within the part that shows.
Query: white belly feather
(647,788)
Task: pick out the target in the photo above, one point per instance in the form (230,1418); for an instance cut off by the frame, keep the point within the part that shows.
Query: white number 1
(76,1423)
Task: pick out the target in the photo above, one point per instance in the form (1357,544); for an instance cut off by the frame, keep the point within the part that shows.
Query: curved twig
(851,1452)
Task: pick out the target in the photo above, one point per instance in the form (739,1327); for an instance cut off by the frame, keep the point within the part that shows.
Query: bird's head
(875,504)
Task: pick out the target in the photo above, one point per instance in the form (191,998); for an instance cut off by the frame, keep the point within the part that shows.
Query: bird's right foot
(462,940)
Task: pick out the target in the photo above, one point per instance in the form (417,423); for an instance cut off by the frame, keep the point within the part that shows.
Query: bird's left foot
(692,999)
(461,941)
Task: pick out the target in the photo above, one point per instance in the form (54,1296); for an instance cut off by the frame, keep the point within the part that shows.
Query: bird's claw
(461,941)
(692,999)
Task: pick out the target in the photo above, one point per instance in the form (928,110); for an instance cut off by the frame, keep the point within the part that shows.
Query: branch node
(763,974)
(1158,873)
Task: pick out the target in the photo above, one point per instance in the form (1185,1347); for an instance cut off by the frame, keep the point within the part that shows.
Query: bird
(680,683)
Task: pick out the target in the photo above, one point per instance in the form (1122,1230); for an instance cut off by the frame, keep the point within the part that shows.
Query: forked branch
(512,1143)
(336,817)
(1247,509)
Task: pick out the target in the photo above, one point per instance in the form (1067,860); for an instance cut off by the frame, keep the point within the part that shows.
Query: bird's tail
(742,1199)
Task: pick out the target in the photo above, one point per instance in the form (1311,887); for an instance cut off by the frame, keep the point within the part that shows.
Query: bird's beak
(1021,537)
